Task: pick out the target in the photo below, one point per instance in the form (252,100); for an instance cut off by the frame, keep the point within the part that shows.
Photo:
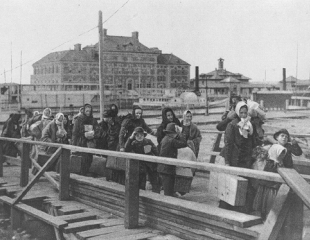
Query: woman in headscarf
(239,139)
(237,151)
(85,132)
(191,132)
(68,126)
(11,129)
(267,191)
(127,127)
(129,124)
(25,123)
(168,116)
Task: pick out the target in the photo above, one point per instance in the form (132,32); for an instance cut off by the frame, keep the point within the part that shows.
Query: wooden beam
(216,147)
(52,159)
(132,194)
(54,221)
(25,165)
(2,160)
(46,175)
(16,218)
(277,215)
(297,183)
(64,175)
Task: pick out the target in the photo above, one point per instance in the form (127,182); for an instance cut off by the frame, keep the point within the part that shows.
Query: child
(267,191)
(283,138)
(137,143)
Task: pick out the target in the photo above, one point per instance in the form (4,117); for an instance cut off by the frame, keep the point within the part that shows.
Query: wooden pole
(101,79)
(25,164)
(1,158)
(132,194)
(207,102)
(64,175)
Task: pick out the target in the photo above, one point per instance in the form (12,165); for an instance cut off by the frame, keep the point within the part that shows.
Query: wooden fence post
(1,159)
(216,147)
(132,194)
(64,175)
(25,164)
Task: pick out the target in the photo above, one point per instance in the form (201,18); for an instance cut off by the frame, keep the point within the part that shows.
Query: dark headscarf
(134,109)
(165,121)
(15,117)
(87,119)
(113,110)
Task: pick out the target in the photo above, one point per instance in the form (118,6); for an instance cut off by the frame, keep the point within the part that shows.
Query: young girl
(267,191)
(137,143)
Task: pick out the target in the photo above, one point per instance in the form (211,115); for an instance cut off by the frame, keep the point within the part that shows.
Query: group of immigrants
(245,144)
(115,133)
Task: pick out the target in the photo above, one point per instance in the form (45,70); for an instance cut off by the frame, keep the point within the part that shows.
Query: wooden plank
(216,147)
(126,232)
(297,183)
(58,223)
(78,217)
(85,225)
(12,160)
(293,225)
(95,232)
(46,175)
(137,236)
(277,215)
(2,160)
(52,159)
(64,175)
(132,194)
(25,165)
(70,210)
(16,218)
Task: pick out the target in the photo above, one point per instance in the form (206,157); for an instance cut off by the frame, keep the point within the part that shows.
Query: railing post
(1,158)
(25,164)
(132,194)
(64,175)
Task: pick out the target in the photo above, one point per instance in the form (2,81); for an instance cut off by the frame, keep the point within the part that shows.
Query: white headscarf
(185,121)
(245,126)
(57,117)
(274,152)
(44,116)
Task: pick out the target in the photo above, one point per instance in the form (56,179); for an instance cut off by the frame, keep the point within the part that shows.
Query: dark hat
(170,128)
(140,130)
(107,113)
(281,131)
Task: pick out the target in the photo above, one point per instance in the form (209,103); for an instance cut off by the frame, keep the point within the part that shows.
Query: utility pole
(207,102)
(20,81)
(4,75)
(101,79)
(11,64)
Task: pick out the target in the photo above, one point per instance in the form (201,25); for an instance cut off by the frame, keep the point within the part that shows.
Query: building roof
(223,73)
(230,80)
(121,44)
(68,55)
(170,59)
(290,79)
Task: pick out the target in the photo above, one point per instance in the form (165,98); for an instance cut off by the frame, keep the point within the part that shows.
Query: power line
(70,39)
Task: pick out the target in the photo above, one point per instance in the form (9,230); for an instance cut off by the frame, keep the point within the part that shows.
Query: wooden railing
(294,187)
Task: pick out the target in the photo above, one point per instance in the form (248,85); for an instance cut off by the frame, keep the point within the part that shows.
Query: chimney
(104,32)
(197,80)
(221,63)
(135,35)
(77,47)
(284,79)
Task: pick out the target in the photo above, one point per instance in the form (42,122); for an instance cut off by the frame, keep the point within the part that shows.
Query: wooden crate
(229,188)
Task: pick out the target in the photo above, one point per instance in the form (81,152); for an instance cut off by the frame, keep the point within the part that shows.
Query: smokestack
(197,80)
(221,63)
(284,79)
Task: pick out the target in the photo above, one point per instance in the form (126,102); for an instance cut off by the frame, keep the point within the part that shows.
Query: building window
(148,85)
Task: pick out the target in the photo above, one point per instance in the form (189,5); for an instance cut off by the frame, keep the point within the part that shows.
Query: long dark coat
(11,129)
(169,148)
(238,150)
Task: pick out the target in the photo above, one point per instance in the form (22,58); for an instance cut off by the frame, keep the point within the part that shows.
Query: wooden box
(116,163)
(229,188)
(75,164)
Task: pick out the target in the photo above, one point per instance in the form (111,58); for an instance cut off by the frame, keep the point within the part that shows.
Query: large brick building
(128,65)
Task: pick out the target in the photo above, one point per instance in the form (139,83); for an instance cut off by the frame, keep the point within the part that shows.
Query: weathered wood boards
(229,188)
(182,218)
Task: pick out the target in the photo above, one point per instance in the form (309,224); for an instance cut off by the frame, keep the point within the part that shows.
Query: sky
(256,38)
